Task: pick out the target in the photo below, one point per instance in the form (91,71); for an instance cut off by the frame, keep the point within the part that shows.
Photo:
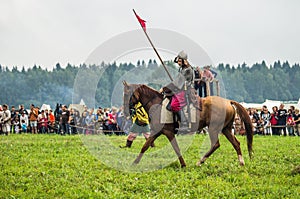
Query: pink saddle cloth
(178,101)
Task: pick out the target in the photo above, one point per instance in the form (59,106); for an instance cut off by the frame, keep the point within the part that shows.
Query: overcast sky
(45,32)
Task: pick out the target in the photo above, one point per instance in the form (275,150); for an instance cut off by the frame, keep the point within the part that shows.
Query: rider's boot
(184,124)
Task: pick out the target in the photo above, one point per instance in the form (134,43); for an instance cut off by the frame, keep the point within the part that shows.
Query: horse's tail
(248,124)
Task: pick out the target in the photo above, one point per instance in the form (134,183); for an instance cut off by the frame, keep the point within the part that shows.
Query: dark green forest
(102,85)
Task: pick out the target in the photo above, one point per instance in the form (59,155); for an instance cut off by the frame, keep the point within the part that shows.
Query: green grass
(52,166)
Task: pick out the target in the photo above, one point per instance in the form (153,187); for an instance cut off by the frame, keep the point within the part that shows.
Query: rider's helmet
(181,55)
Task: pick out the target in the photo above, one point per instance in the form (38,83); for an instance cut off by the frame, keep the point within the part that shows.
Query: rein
(144,105)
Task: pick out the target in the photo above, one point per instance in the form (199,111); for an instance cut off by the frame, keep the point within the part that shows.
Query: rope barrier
(93,129)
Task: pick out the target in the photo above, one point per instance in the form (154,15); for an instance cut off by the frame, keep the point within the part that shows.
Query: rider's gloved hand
(161,90)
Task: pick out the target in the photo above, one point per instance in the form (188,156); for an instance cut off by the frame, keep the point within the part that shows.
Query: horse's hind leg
(235,143)
(215,144)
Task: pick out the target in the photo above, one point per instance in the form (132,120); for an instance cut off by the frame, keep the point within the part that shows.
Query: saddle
(191,96)
(167,116)
(194,104)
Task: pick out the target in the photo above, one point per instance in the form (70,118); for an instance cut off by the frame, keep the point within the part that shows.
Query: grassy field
(53,166)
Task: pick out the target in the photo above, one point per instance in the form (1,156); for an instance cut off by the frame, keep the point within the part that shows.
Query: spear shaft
(161,61)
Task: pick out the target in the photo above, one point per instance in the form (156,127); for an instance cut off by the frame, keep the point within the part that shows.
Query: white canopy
(271,103)
(81,102)
(45,106)
(77,107)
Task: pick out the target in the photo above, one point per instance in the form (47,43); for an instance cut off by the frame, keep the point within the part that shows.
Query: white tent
(271,103)
(81,102)
(77,107)
(251,105)
(289,104)
(45,106)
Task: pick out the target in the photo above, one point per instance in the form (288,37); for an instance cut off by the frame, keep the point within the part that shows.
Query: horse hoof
(242,162)
(183,166)
(198,163)
(134,163)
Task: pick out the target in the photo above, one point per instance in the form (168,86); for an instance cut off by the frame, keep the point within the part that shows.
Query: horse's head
(134,93)
(130,97)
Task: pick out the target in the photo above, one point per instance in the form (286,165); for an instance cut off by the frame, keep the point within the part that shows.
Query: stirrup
(184,129)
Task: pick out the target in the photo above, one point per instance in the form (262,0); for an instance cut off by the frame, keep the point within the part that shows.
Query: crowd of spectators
(278,121)
(63,120)
(69,121)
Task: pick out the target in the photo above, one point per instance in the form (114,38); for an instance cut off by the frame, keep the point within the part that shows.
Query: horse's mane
(149,89)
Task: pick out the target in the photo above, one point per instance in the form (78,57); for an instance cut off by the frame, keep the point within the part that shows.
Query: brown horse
(217,114)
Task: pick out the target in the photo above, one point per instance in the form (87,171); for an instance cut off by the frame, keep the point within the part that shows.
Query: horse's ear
(125,83)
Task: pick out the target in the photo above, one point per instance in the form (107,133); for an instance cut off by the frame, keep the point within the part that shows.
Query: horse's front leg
(145,147)
(171,137)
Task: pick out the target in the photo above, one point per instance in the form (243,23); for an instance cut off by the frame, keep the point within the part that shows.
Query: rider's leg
(183,127)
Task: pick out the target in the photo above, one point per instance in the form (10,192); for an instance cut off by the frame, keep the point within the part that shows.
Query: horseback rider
(178,89)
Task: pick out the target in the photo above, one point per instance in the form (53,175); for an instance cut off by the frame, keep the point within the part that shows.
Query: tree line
(97,84)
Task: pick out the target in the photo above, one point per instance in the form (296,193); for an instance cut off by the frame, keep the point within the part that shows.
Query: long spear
(143,25)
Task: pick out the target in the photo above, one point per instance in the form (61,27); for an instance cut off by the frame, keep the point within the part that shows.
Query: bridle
(133,96)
